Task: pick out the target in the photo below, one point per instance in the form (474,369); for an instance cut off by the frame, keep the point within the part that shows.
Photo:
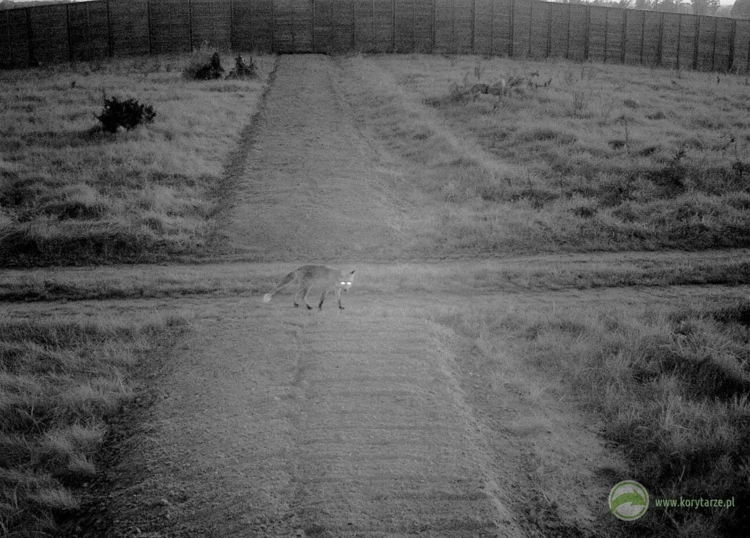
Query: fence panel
(405,22)
(323,24)
(521,27)
(364,25)
(742,46)
(253,25)
(87,27)
(670,40)
(538,42)
(706,36)
(722,52)
(342,24)
(597,33)
(688,31)
(382,25)
(445,26)
(129,27)
(615,22)
(502,27)
(483,26)
(211,23)
(170,26)
(49,34)
(578,33)
(634,37)
(464,25)
(559,29)
(14,38)
(424,26)
(651,38)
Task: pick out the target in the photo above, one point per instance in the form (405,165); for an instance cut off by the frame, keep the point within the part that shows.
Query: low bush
(127,114)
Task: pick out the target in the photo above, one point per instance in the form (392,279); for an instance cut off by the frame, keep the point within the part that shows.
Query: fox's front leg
(338,296)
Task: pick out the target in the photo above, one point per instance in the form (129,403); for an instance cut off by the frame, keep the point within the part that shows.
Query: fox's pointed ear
(352,271)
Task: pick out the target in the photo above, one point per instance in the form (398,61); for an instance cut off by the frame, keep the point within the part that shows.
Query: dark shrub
(126,114)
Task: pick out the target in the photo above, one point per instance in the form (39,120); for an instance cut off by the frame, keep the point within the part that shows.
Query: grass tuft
(60,381)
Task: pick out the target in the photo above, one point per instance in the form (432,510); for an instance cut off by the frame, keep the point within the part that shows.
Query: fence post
(548,48)
(679,38)
(231,25)
(713,50)
(511,21)
(696,43)
(432,26)
(190,26)
(110,43)
(531,27)
(67,28)
(606,34)
(393,25)
(624,40)
(30,36)
(413,25)
(567,36)
(586,33)
(732,35)
(473,23)
(10,42)
(148,23)
(660,48)
(453,27)
(643,35)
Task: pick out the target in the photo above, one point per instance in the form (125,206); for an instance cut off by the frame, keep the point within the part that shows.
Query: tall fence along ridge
(526,28)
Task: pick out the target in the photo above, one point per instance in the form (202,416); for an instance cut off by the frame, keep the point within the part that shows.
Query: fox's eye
(348,283)
(343,283)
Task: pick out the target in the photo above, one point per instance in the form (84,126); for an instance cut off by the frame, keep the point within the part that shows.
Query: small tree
(705,7)
(740,9)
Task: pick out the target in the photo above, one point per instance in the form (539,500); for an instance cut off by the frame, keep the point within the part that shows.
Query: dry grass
(578,157)
(71,193)
(671,385)
(60,381)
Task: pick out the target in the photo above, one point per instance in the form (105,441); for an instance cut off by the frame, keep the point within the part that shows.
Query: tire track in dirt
(311,186)
(280,422)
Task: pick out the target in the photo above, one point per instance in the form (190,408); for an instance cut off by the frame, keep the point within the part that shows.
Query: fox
(307,276)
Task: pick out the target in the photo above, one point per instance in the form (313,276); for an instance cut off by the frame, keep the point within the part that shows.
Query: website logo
(628,500)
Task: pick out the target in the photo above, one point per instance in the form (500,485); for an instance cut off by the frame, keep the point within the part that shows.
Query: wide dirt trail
(311,186)
(286,423)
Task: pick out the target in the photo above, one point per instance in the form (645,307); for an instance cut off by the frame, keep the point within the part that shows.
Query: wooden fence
(82,31)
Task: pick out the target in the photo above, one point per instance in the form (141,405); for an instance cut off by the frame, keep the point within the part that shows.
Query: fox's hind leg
(297,292)
(307,292)
(322,298)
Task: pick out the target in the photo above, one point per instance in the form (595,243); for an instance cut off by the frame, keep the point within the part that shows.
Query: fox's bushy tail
(284,283)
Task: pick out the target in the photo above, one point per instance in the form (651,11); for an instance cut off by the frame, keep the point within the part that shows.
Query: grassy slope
(70,193)
(589,157)
(60,381)
(671,384)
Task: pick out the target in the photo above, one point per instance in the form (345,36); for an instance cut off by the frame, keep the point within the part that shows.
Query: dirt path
(311,187)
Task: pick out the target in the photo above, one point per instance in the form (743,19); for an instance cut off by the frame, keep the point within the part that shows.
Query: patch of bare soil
(275,421)
(310,186)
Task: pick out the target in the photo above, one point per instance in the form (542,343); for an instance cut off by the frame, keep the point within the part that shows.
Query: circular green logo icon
(628,500)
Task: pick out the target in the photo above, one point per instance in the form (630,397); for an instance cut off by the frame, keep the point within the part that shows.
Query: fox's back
(318,274)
